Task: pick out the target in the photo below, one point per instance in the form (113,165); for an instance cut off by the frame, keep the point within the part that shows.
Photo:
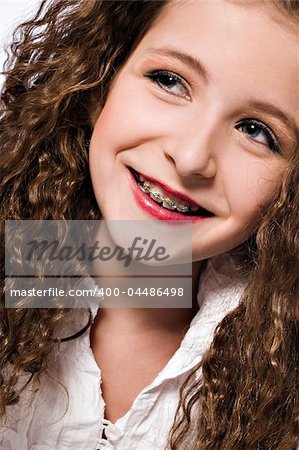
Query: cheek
(121,118)
(132,115)
(108,136)
(252,189)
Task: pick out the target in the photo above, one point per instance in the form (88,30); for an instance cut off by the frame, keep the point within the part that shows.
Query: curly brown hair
(60,61)
(249,386)
(247,395)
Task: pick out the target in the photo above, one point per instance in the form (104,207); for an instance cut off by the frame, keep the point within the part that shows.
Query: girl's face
(205,112)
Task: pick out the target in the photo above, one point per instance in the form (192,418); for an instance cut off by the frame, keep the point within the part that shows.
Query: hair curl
(249,386)
(60,62)
(68,55)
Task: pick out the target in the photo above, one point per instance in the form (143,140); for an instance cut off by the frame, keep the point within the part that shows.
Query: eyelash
(272,141)
(156,77)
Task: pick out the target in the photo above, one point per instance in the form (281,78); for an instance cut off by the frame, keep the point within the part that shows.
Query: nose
(194,150)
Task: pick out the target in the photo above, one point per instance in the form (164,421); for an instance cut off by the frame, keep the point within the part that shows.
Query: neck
(129,321)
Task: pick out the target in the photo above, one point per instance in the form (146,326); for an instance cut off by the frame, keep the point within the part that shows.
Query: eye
(170,82)
(260,133)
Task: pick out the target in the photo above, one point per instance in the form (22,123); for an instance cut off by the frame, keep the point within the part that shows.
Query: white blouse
(68,418)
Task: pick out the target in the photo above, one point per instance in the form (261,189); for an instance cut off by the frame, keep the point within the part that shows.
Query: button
(112,432)
(104,446)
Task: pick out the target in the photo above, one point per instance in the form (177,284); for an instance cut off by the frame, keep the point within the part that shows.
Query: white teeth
(169,204)
(158,196)
(146,187)
(182,208)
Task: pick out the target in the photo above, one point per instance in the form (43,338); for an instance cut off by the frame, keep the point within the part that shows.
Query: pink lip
(154,209)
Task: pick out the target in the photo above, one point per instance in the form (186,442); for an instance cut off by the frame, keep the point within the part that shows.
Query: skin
(193,144)
(195,137)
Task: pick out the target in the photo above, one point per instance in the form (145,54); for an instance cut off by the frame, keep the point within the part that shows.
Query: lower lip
(154,209)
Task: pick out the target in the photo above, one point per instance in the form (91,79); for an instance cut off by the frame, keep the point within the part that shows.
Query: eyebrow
(197,66)
(272,110)
(185,58)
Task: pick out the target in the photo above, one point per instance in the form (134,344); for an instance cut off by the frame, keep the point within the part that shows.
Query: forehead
(245,39)
(240,19)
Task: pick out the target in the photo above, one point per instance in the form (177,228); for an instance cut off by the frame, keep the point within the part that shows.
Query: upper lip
(171,191)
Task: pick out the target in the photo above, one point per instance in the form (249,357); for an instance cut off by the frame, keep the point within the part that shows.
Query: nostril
(190,162)
(169,158)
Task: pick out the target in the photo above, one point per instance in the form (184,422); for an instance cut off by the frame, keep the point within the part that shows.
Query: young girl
(196,101)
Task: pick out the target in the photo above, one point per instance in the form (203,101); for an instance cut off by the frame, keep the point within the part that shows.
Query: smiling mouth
(169,201)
